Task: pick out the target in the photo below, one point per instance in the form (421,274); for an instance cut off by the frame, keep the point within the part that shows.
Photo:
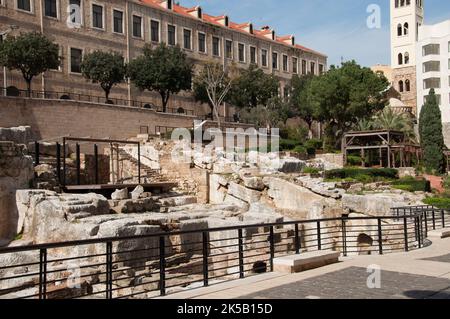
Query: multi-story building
(125,26)
(433,68)
(406,18)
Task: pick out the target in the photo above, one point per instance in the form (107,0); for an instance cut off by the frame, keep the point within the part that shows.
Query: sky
(337,28)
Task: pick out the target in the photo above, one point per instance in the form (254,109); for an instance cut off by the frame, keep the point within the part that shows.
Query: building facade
(125,26)
(406,18)
(433,68)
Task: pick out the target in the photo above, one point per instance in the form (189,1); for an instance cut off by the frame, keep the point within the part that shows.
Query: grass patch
(438,202)
(362,174)
(311,170)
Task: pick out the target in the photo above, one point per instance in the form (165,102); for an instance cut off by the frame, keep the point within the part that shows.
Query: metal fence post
(58,161)
(96,163)
(297,240)
(43,273)
(434,219)
(420,230)
(241,254)
(36,153)
(380,238)
(205,258)
(344,238)
(78,162)
(272,247)
(405,230)
(443,218)
(426,224)
(319,237)
(162,266)
(109,266)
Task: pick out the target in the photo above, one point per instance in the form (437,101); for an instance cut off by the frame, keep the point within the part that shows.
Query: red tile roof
(232,25)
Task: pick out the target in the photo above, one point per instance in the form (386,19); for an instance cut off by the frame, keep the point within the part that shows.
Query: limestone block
(255,183)
(243,193)
(305,261)
(120,194)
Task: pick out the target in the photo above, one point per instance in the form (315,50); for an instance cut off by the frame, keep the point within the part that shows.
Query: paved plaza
(419,274)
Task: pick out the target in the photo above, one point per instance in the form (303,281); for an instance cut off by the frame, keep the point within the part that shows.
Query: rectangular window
(253,55)
(137,26)
(76,56)
(24,5)
(432,83)
(294,65)
(154,32)
(431,66)
(202,42)
(216,46)
(97,16)
(51,8)
(187,37)
(312,68)
(229,49)
(171,35)
(118,21)
(275,60)
(321,68)
(264,58)
(304,71)
(431,49)
(241,52)
(285,63)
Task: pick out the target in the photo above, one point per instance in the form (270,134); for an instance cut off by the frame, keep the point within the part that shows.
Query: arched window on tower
(396,3)
(406,28)
(400,59)
(400,86)
(399,30)
(402,3)
(406,58)
(408,85)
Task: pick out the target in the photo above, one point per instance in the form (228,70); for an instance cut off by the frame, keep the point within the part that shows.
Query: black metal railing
(70,96)
(161,263)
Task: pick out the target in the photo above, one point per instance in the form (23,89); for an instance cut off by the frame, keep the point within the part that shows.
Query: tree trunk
(107,91)
(165,100)
(28,87)
(310,132)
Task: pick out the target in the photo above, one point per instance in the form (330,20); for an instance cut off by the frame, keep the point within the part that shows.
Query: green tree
(164,69)
(212,85)
(299,99)
(431,138)
(274,113)
(31,54)
(388,119)
(253,87)
(343,96)
(106,68)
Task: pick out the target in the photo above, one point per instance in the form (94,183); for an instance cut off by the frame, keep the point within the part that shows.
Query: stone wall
(336,159)
(16,171)
(50,119)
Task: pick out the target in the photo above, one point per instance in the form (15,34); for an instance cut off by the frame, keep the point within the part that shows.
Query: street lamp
(3,35)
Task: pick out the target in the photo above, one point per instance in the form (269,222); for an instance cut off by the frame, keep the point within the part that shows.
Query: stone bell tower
(406,17)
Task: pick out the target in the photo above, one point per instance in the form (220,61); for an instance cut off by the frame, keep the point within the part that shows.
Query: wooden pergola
(392,147)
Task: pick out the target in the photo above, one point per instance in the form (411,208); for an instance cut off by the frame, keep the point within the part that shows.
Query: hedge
(438,202)
(356,172)
(412,185)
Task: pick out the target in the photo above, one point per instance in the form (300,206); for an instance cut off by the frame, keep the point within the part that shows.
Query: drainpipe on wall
(128,56)
(41,8)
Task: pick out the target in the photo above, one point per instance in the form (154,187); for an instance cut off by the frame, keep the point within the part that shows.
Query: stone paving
(418,274)
(351,283)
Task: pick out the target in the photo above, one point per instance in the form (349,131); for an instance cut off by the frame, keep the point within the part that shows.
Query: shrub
(288,145)
(311,170)
(300,149)
(354,160)
(410,184)
(438,202)
(387,173)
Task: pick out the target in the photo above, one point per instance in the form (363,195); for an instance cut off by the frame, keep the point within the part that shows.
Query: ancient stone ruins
(209,192)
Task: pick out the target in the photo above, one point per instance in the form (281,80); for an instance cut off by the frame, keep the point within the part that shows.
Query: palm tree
(390,120)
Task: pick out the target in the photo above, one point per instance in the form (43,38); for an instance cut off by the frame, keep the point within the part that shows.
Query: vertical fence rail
(380,238)
(297,240)
(109,270)
(43,273)
(96,163)
(319,236)
(36,153)
(241,253)
(272,247)
(78,162)
(344,238)
(443,218)
(58,162)
(162,266)
(205,259)
(405,231)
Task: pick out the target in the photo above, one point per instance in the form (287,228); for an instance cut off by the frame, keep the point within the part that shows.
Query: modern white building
(433,66)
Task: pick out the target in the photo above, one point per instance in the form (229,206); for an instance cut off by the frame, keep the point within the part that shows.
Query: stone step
(305,261)
(440,233)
